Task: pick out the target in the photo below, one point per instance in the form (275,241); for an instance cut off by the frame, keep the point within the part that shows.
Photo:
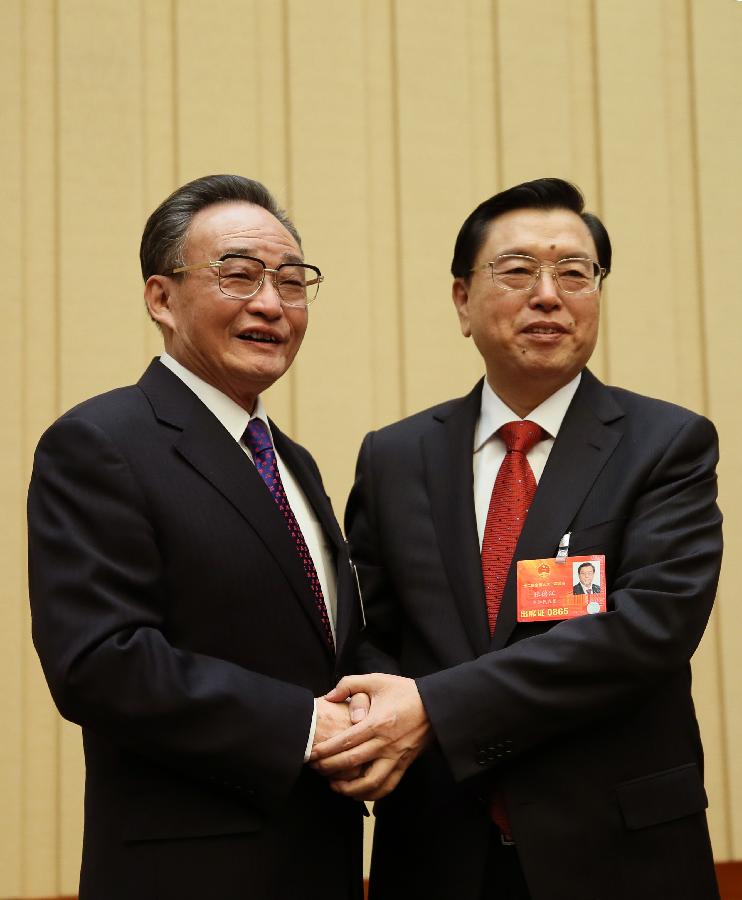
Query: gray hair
(166,230)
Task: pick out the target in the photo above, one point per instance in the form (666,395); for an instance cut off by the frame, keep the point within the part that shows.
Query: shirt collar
(232,416)
(549,414)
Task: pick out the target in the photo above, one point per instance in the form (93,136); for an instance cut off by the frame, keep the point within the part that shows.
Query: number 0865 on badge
(549,590)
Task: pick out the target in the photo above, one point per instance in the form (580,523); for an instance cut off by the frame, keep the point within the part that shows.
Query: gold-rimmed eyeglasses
(517,272)
(241,277)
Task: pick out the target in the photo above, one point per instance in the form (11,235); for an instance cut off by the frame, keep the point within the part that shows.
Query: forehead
(236,226)
(543,233)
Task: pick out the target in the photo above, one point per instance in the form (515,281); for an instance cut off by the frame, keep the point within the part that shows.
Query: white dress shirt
(234,419)
(489,447)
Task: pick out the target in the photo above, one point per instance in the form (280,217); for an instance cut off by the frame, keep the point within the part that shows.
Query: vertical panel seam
(369,308)
(397,178)
(598,163)
(705,395)
(497,94)
(289,199)
(144,142)
(24,392)
(57,201)
(175,80)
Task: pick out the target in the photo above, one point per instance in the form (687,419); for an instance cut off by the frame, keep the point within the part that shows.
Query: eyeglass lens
(296,283)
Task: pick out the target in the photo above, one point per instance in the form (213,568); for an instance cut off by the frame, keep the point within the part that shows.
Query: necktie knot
(257,437)
(520,436)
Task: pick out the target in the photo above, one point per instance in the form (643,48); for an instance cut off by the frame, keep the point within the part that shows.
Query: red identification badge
(550,591)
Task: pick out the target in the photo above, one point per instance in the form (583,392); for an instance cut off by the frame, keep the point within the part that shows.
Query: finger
(345,740)
(379,779)
(360,704)
(348,759)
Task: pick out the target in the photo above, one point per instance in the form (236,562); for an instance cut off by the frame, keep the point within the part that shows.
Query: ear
(158,293)
(460,294)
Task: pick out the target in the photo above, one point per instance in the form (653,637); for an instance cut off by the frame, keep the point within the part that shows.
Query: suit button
(491,754)
(482,758)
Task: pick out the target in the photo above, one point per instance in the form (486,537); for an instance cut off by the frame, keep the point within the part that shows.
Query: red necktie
(258,439)
(511,497)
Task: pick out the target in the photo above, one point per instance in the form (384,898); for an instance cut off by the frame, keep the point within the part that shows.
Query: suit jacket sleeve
(95,575)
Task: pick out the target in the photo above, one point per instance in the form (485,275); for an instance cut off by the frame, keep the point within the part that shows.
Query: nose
(544,293)
(267,301)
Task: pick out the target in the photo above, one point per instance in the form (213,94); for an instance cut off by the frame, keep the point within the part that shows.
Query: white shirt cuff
(312,729)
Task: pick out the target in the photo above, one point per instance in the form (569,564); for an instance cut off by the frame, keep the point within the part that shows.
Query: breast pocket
(599,538)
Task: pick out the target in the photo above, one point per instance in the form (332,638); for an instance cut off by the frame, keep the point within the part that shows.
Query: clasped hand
(367,759)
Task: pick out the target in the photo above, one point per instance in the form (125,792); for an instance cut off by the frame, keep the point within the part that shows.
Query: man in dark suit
(585,584)
(191,590)
(551,760)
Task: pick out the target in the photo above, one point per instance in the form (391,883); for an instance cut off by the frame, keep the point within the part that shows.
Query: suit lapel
(447,451)
(211,450)
(583,446)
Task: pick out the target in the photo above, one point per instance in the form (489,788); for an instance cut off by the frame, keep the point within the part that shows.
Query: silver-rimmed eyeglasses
(516,272)
(241,277)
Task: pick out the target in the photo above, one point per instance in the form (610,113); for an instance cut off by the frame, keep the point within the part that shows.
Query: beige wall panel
(438,129)
(39,827)
(334,199)
(158,127)
(548,96)
(11,465)
(482,105)
(381,305)
(100,191)
(230,102)
(545,83)
(648,199)
(717,65)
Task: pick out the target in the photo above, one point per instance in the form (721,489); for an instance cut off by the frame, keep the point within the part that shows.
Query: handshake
(369,729)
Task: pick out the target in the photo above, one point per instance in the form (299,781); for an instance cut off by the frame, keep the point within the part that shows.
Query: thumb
(360,704)
(346,687)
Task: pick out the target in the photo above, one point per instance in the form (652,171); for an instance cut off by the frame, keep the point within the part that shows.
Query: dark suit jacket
(175,624)
(586,725)
(579,589)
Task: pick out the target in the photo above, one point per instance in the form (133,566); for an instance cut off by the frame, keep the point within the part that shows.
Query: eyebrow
(514,251)
(247,251)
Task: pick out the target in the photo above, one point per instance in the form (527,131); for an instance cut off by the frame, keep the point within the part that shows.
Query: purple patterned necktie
(258,440)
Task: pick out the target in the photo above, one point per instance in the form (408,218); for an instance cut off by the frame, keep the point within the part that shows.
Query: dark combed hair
(166,230)
(543,193)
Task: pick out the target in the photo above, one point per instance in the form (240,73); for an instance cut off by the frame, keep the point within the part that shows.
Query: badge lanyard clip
(563,550)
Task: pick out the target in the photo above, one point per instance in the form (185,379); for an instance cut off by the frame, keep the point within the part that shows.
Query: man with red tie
(190,588)
(531,752)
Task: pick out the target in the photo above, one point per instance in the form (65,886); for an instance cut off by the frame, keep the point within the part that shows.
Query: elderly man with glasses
(191,590)
(540,747)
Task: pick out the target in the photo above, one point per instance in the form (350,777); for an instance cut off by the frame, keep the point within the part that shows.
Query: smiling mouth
(544,329)
(256,337)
